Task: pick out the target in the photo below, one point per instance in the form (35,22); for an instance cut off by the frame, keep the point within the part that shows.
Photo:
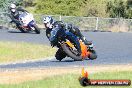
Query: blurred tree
(4,4)
(129,3)
(129,11)
(63,7)
(119,8)
(95,8)
(28,3)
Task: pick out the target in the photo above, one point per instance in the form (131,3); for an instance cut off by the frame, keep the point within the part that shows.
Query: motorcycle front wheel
(68,51)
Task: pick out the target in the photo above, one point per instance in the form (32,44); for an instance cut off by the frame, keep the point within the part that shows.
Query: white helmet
(13,7)
(48,19)
(48,22)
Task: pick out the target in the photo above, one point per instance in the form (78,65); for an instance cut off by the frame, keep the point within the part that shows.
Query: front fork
(75,41)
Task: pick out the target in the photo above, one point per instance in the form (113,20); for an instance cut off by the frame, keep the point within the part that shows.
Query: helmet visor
(13,10)
(48,25)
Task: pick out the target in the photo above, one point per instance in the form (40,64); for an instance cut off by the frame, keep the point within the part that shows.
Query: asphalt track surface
(112,48)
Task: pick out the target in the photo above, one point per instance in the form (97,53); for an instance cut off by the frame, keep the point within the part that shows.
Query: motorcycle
(70,45)
(27,23)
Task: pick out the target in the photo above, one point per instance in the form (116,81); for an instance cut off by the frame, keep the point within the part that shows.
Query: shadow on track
(14,32)
(69,60)
(21,32)
(63,61)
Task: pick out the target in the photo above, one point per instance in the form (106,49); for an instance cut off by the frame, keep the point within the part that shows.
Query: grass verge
(71,80)
(14,51)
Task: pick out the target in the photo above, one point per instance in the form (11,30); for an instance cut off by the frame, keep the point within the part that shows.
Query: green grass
(14,51)
(71,81)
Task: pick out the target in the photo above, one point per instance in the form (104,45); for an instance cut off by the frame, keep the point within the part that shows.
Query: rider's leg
(60,54)
(77,32)
(16,22)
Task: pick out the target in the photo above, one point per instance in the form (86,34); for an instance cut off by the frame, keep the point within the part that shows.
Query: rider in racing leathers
(14,13)
(50,25)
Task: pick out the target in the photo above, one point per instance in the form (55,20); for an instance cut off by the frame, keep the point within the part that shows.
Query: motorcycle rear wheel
(37,30)
(21,29)
(93,55)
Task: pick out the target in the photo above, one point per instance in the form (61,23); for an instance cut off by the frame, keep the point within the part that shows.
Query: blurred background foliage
(4,4)
(92,8)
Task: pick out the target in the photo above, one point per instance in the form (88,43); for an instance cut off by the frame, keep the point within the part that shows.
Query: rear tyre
(84,81)
(70,54)
(37,30)
(92,55)
(21,29)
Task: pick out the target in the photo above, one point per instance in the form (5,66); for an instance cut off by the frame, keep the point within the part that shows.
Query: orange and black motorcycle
(71,46)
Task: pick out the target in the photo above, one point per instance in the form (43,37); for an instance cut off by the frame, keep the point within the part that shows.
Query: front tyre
(37,30)
(67,50)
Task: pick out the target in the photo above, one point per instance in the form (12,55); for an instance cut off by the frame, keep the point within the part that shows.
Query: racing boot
(85,41)
(88,43)
(79,34)
(60,54)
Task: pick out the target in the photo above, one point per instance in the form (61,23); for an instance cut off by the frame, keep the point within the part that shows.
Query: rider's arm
(48,33)
(60,24)
(10,15)
(21,9)
(12,18)
(53,35)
